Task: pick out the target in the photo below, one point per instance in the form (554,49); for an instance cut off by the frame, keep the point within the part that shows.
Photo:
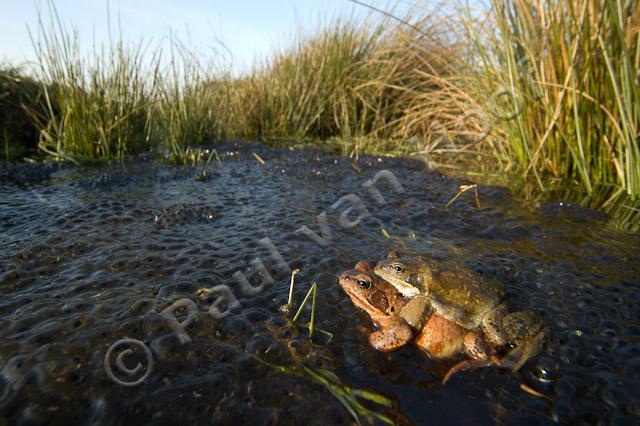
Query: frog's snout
(341,277)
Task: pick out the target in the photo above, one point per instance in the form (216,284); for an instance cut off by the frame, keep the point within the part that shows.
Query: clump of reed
(98,107)
(570,69)
(123,99)
(362,81)
(193,107)
(371,84)
(309,90)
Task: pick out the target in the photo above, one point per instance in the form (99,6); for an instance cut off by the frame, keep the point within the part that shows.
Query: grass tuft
(98,107)
(571,67)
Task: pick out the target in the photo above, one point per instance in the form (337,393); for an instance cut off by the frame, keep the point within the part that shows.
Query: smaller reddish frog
(439,338)
(382,302)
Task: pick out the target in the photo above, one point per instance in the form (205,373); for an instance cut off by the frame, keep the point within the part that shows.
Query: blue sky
(248,28)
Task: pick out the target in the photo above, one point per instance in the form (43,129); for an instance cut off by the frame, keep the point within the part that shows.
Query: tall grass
(368,80)
(370,83)
(98,107)
(318,88)
(572,67)
(193,105)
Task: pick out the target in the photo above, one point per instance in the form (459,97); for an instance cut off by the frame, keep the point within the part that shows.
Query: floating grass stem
(313,310)
(385,233)
(304,302)
(258,159)
(285,309)
(463,189)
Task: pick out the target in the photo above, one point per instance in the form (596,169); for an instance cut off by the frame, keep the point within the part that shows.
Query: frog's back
(459,294)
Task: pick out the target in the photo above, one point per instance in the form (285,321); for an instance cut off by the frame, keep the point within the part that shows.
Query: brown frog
(382,302)
(438,337)
(469,300)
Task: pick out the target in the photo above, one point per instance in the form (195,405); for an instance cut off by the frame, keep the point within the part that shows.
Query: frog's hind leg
(392,335)
(480,353)
(493,325)
(470,364)
(530,334)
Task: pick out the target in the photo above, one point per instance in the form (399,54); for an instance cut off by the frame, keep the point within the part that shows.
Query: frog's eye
(398,268)
(363,284)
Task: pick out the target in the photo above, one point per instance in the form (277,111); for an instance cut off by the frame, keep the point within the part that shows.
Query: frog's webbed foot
(391,336)
(470,364)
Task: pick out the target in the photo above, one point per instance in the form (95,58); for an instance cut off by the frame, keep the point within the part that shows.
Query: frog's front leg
(416,312)
(393,333)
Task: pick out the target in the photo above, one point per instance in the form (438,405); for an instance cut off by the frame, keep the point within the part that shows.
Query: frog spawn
(581,276)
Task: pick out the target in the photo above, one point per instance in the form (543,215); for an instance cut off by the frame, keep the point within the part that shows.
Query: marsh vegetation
(541,96)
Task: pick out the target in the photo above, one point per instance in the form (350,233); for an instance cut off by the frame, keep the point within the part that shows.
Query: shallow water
(90,256)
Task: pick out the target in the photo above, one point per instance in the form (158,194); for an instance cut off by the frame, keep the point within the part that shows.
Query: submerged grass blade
(347,395)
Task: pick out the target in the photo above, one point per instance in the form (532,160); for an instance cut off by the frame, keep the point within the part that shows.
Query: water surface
(90,256)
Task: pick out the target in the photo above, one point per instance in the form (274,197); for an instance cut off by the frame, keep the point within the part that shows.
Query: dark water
(92,256)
